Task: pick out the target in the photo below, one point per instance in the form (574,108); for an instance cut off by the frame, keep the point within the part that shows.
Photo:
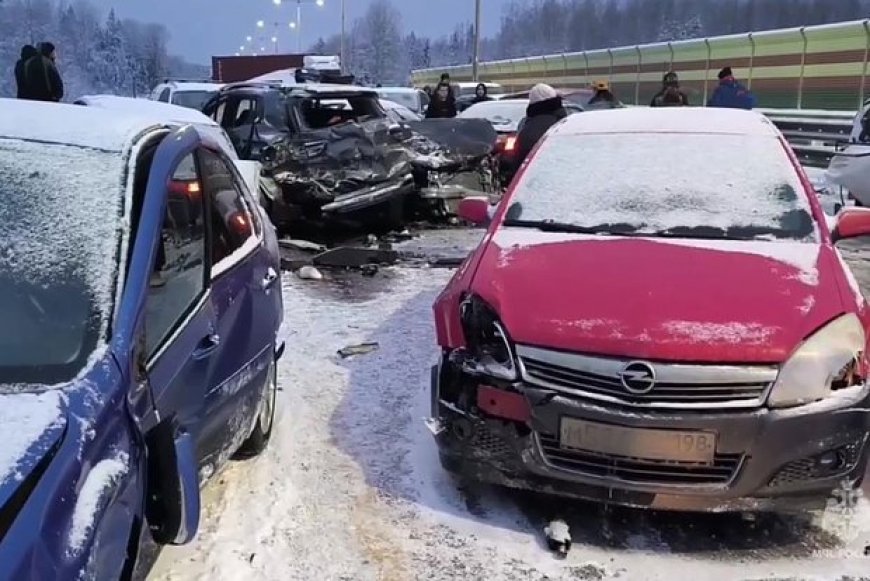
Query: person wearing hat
(670,94)
(545,110)
(41,75)
(730,94)
(603,97)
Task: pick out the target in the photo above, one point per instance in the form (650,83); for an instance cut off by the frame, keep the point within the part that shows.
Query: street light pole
(475,63)
(299,26)
(341,55)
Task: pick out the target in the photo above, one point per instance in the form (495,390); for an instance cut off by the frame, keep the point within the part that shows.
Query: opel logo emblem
(638,377)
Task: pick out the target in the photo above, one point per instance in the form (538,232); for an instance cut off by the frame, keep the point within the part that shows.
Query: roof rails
(183,80)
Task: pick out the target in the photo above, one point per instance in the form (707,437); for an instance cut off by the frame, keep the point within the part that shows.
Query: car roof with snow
(159,111)
(299,88)
(180,86)
(698,120)
(70,124)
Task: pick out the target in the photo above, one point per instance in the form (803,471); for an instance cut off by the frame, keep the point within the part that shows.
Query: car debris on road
(558,537)
(360,349)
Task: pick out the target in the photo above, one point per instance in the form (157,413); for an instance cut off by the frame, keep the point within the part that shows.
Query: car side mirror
(851,223)
(475,210)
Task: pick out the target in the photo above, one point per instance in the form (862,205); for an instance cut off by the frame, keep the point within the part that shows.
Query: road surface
(351,488)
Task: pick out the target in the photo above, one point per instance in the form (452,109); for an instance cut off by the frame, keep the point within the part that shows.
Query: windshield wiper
(615,230)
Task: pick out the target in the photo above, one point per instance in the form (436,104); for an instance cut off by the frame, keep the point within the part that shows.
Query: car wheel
(259,438)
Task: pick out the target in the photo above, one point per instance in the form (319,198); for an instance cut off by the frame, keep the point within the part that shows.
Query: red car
(657,316)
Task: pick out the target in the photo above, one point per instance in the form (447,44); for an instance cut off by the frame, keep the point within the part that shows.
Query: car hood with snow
(664,299)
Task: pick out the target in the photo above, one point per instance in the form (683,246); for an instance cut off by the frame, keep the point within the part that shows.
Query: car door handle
(269,279)
(207,346)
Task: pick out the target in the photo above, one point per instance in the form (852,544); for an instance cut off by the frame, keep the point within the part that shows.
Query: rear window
(192,99)
(499,113)
(406,98)
(322,112)
(706,186)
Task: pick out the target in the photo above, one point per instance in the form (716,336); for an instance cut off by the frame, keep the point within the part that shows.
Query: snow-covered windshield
(407,98)
(192,99)
(504,115)
(692,185)
(61,208)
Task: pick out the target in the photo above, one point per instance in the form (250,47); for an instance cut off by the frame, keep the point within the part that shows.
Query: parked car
(328,149)
(139,351)
(190,94)
(642,332)
(576,97)
(507,117)
(414,99)
(399,113)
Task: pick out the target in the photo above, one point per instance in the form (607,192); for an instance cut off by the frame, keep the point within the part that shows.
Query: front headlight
(489,349)
(829,360)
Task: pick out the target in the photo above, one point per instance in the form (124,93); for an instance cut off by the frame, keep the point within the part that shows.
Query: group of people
(36,74)
(729,94)
(442,99)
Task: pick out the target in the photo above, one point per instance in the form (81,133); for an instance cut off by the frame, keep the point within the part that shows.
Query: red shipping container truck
(233,69)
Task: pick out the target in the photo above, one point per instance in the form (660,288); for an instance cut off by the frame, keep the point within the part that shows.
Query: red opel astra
(657,316)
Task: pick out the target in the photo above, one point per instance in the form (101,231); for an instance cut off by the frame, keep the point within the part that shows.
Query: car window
(409,99)
(178,278)
(327,111)
(503,115)
(231,218)
(164,95)
(246,113)
(724,186)
(58,257)
(192,99)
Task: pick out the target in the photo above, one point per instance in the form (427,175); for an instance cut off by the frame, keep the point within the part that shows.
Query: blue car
(140,305)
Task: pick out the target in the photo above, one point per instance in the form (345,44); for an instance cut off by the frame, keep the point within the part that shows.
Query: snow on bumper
(764,459)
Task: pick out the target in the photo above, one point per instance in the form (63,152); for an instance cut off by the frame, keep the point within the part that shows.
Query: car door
(241,284)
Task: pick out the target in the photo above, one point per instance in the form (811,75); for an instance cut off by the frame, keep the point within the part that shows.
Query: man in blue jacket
(730,94)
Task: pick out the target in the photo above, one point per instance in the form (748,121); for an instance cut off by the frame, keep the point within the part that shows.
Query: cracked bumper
(765,459)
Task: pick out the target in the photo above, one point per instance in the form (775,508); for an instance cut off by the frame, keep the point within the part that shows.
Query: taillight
(510,143)
(240,224)
(190,189)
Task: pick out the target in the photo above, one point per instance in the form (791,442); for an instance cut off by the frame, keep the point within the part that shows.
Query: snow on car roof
(161,112)
(696,120)
(70,124)
(184,86)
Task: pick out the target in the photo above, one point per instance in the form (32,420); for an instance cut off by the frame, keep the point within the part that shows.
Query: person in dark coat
(670,94)
(603,97)
(443,103)
(27,52)
(481,94)
(730,94)
(545,110)
(41,75)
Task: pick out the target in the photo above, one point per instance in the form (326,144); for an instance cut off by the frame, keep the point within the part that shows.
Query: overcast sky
(202,28)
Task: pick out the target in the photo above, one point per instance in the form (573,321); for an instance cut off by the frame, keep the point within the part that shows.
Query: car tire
(262,432)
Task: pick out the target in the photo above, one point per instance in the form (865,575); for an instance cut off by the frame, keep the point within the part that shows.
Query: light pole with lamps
(298,26)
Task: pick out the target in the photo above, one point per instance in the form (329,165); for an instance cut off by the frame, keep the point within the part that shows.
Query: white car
(174,115)
(414,99)
(190,94)
(399,113)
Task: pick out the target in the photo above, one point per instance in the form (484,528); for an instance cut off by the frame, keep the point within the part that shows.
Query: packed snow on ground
(351,487)
(100,480)
(24,417)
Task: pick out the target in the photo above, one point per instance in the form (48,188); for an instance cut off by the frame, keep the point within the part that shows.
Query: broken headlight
(488,347)
(825,363)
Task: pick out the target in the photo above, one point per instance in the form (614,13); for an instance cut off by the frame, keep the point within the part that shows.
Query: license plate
(641,443)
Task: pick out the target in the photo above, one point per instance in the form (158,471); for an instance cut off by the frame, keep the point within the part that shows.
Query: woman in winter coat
(27,52)
(443,103)
(545,110)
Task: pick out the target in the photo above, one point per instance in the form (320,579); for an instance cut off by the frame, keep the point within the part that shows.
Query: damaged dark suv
(328,151)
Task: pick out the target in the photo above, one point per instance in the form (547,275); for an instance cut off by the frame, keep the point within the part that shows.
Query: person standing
(603,97)
(41,76)
(27,52)
(730,94)
(481,94)
(545,110)
(443,103)
(670,95)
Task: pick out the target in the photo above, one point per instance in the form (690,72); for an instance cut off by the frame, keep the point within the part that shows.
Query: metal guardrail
(815,136)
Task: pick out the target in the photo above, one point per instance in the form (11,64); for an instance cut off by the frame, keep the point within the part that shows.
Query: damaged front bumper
(369,197)
(765,459)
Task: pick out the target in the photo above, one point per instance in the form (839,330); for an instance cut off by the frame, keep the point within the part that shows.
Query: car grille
(676,386)
(637,470)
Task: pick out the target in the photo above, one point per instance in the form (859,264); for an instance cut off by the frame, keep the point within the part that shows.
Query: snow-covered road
(351,487)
